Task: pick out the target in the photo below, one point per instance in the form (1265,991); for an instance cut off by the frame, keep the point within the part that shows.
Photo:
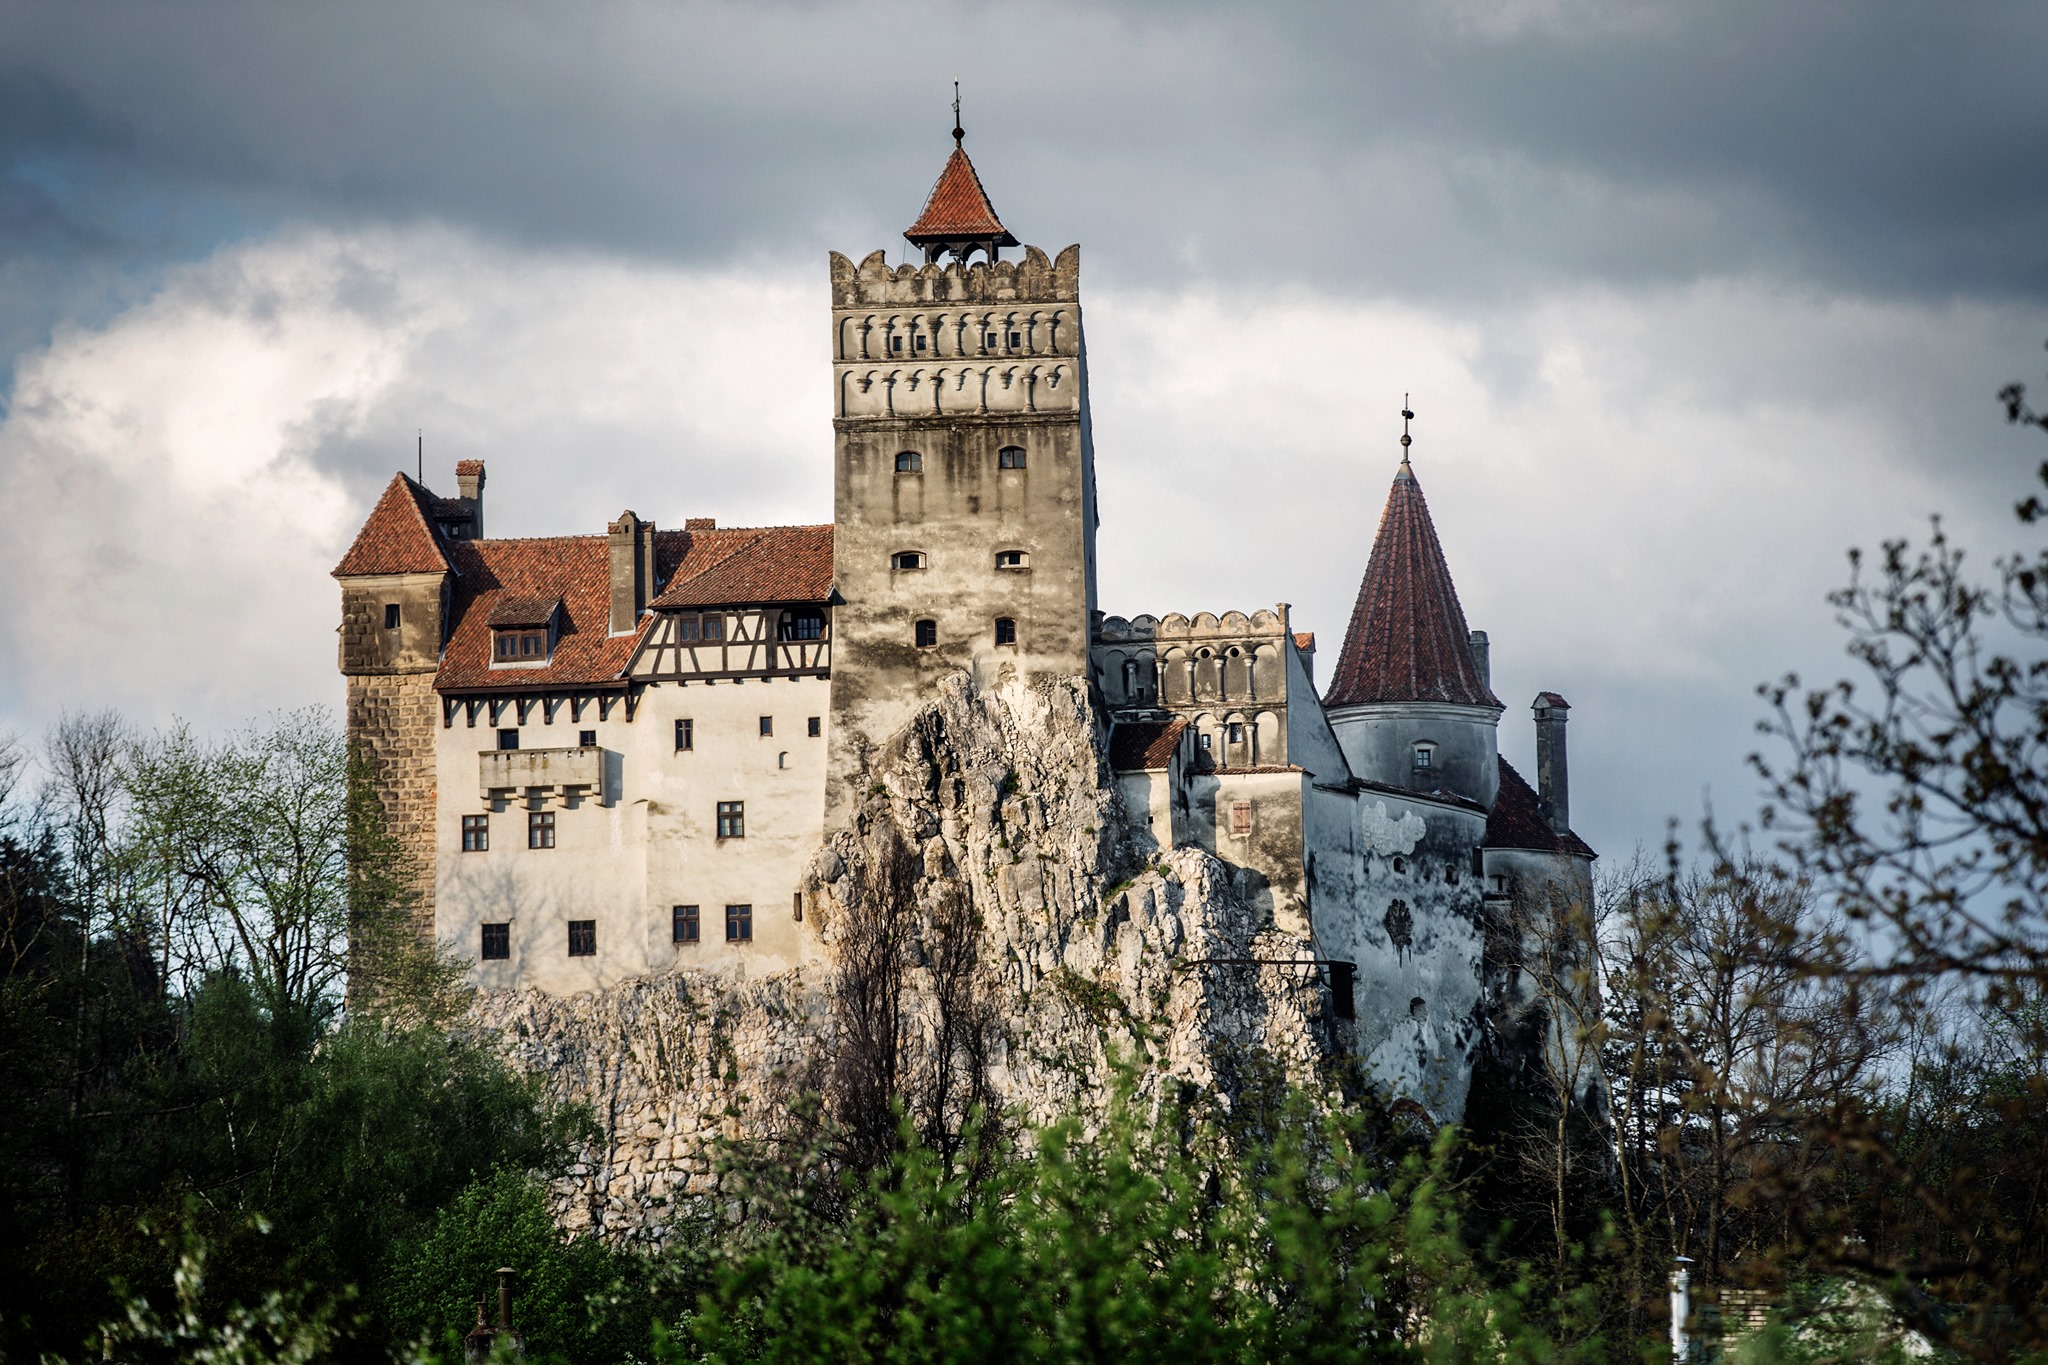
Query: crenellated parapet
(874,283)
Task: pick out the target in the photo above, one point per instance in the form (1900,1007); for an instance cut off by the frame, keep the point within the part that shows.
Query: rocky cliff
(983,916)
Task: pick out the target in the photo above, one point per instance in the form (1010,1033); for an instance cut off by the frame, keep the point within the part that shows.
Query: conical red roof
(958,209)
(399,536)
(1407,640)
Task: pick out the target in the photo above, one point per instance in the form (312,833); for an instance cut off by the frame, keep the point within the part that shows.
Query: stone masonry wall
(1086,955)
(392,716)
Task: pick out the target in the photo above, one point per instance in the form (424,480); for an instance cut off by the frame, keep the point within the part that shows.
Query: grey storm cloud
(1438,151)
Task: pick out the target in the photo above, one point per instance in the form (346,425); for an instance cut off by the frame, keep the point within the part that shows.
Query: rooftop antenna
(1406,441)
(420,454)
(958,131)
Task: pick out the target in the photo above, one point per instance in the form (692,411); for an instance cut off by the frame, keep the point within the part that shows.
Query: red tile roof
(495,576)
(1407,640)
(742,567)
(1517,820)
(399,536)
(1304,639)
(958,208)
(1144,745)
(525,611)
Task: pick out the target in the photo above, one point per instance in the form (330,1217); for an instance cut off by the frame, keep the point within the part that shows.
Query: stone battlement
(874,283)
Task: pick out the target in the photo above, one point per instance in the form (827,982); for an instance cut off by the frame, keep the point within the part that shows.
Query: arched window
(1006,631)
(909,462)
(1010,457)
(1012,559)
(927,634)
(907,559)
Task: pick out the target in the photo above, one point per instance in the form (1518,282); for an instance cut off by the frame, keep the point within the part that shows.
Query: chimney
(1552,785)
(469,484)
(1482,657)
(482,1343)
(632,547)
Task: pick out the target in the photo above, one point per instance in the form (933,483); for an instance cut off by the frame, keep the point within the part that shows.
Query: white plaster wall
(648,844)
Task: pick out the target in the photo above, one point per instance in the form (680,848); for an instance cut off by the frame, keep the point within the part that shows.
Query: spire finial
(958,131)
(1406,440)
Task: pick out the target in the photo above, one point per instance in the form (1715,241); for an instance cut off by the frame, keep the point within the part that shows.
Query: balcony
(516,774)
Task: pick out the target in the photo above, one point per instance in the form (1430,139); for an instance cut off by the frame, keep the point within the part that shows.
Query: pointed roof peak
(399,535)
(958,216)
(1407,640)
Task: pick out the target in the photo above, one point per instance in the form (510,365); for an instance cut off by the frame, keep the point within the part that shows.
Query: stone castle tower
(963,471)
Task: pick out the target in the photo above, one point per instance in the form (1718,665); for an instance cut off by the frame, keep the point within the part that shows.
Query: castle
(613,756)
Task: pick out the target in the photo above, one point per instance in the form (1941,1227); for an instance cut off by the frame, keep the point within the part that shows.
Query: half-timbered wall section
(759,643)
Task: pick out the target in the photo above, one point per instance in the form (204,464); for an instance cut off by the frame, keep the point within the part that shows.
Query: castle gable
(399,536)
(756,567)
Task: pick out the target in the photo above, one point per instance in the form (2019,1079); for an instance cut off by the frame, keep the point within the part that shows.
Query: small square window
(497,945)
(767,726)
(684,927)
(1010,457)
(1423,758)
(686,735)
(476,833)
(895,343)
(989,340)
(1016,339)
(817,726)
(540,829)
(732,819)
(1006,631)
(587,738)
(739,923)
(927,634)
(918,344)
(508,739)
(391,616)
(582,938)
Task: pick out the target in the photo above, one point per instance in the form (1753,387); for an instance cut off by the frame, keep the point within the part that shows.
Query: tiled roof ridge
(659,530)
(1517,820)
(1407,640)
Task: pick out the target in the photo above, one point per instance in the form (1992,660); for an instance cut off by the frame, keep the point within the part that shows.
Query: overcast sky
(1690,299)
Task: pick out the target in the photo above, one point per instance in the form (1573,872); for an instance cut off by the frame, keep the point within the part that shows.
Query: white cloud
(1643,497)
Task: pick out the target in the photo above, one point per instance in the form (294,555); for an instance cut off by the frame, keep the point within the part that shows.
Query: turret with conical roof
(958,218)
(1409,697)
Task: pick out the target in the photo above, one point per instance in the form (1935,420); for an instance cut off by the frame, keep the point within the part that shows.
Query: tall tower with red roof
(963,470)
(1409,697)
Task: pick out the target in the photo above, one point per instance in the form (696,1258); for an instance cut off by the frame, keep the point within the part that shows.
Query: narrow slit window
(497,943)
(767,726)
(683,927)
(796,906)
(391,616)
(817,726)
(582,938)
(686,735)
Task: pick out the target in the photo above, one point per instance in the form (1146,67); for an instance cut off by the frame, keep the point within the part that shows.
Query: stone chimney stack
(1482,657)
(632,547)
(469,484)
(1553,786)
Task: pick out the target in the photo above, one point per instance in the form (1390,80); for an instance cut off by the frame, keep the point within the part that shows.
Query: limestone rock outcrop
(996,804)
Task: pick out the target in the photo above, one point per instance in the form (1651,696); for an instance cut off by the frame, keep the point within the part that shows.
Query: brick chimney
(1553,787)
(632,550)
(469,485)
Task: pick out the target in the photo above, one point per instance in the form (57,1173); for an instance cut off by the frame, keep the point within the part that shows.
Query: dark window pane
(391,616)
(685,925)
(927,634)
(909,462)
(582,938)
(497,942)
(476,833)
(817,726)
(587,738)
(767,726)
(714,627)
(1006,631)
(732,820)
(1010,457)
(739,923)
(686,734)
(508,739)
(686,627)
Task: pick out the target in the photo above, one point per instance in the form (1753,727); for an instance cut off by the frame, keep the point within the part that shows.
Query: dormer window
(523,631)
(909,462)
(520,647)
(1010,457)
